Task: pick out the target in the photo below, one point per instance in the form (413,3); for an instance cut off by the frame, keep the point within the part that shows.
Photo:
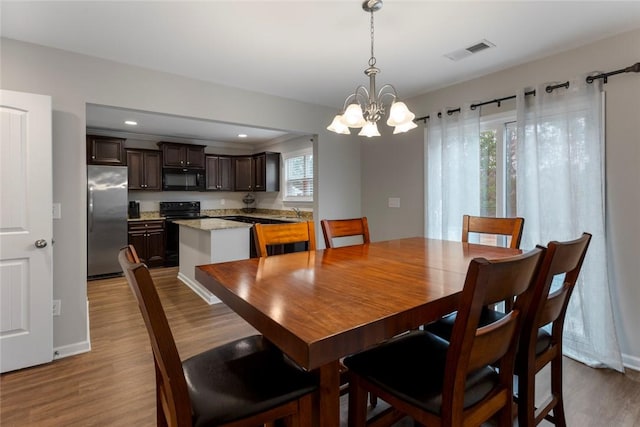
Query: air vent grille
(468,51)
(478,47)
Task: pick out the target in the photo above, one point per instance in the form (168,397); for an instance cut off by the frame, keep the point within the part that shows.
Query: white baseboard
(631,362)
(71,349)
(200,290)
(75,348)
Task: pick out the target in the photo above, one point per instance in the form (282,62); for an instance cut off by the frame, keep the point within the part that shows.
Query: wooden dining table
(322,305)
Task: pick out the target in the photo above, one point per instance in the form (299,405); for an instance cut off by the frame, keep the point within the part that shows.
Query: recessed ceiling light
(130,123)
(242,135)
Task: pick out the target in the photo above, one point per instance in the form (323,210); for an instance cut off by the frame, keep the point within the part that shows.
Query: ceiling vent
(475,48)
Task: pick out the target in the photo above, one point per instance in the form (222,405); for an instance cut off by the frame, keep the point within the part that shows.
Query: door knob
(41,243)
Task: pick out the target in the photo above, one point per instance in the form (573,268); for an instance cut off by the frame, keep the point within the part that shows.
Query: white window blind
(299,176)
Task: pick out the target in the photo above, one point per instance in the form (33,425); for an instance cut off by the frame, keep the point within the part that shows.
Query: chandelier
(363,108)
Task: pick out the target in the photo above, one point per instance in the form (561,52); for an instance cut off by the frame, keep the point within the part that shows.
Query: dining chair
(466,381)
(339,228)
(511,228)
(266,235)
(243,383)
(540,346)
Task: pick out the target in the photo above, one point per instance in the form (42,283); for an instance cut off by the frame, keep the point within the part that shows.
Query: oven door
(172,258)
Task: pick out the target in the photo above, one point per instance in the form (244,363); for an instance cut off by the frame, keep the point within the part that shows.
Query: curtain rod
(635,68)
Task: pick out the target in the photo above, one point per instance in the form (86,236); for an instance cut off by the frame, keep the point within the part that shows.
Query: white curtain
(453,171)
(560,193)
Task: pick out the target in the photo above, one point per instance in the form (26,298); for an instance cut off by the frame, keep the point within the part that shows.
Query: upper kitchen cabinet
(267,171)
(105,150)
(260,172)
(182,155)
(144,168)
(219,173)
(243,167)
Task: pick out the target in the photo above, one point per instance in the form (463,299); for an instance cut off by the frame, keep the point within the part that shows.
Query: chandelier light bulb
(353,116)
(369,129)
(338,125)
(404,127)
(399,113)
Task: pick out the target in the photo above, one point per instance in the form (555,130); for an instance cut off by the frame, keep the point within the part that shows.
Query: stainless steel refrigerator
(106,218)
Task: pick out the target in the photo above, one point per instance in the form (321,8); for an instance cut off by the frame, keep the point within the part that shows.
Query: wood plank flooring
(113,385)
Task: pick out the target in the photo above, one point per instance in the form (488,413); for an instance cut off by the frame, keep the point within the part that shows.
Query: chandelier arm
(393,93)
(354,96)
(361,95)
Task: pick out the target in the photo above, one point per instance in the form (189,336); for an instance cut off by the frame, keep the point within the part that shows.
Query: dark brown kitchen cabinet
(219,173)
(182,155)
(104,150)
(260,172)
(267,171)
(243,168)
(148,237)
(144,167)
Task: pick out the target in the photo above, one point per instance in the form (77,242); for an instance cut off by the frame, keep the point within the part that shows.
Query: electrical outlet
(56,307)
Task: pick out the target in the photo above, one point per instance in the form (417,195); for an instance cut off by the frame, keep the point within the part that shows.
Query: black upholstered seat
(443,327)
(240,379)
(443,383)
(244,383)
(411,367)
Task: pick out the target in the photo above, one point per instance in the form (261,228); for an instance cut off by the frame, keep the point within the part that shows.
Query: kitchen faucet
(298,212)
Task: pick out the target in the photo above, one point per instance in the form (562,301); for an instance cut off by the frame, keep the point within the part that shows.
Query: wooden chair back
(548,307)
(336,228)
(509,227)
(278,234)
(473,346)
(171,387)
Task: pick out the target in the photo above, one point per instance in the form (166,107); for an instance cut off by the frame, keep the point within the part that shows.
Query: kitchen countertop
(209,224)
(150,216)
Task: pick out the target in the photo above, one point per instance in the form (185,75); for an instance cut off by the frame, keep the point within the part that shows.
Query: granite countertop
(208,224)
(278,215)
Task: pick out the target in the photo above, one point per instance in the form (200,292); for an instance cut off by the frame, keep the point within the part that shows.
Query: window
(498,166)
(497,172)
(298,172)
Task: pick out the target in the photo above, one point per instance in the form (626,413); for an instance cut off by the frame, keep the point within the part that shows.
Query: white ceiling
(316,51)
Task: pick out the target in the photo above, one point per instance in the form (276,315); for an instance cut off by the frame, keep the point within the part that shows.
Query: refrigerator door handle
(90,219)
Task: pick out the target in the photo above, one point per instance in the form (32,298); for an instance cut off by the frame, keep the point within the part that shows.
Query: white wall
(395,166)
(74,80)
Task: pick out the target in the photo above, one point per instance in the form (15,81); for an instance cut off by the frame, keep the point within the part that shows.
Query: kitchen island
(209,241)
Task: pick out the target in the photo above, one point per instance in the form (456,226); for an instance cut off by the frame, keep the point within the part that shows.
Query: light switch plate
(56,212)
(394,202)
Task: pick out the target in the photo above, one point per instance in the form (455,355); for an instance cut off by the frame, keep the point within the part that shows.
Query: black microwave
(183,179)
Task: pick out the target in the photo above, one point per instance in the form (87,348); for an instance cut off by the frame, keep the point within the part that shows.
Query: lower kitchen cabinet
(148,238)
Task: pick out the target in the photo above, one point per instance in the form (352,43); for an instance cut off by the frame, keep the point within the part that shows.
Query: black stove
(172,211)
(180,210)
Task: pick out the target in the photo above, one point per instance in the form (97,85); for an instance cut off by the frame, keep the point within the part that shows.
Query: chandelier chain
(372,60)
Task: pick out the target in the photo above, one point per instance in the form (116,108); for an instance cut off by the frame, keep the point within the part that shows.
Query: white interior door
(26,279)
